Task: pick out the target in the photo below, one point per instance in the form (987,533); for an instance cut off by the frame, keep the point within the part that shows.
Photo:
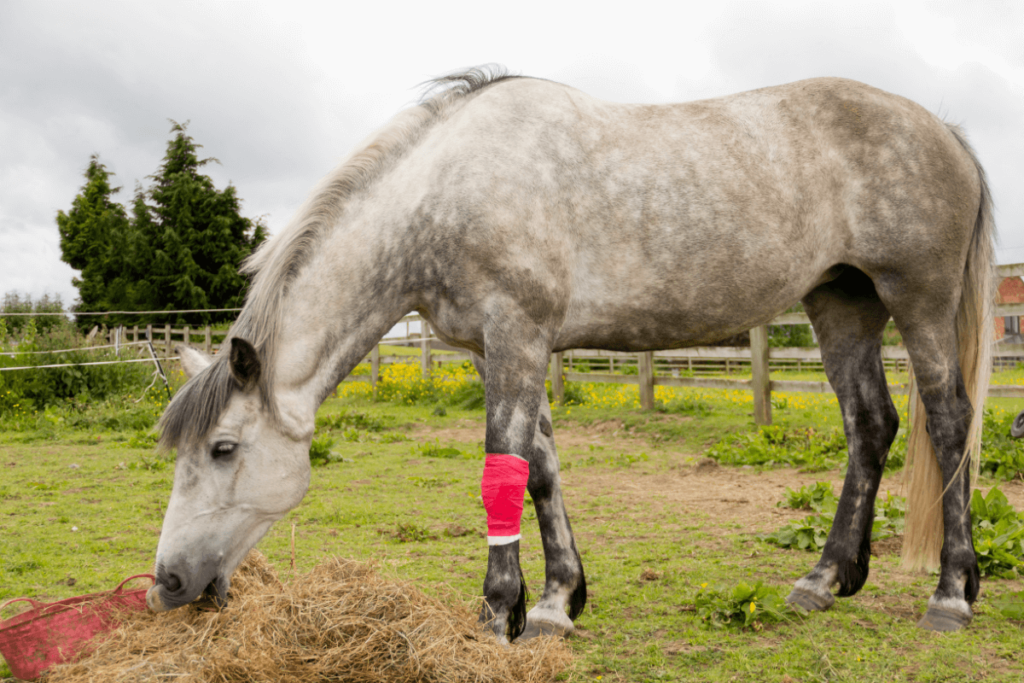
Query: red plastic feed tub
(51,633)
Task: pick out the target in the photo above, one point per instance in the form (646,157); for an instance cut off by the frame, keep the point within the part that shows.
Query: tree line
(177,247)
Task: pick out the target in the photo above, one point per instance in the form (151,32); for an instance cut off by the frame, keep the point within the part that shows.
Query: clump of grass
(812,497)
(811,532)
(149,464)
(432,482)
(409,532)
(353,419)
(320,452)
(998,529)
(681,405)
(620,460)
(436,450)
(998,534)
(1010,605)
(745,606)
(1002,456)
(775,445)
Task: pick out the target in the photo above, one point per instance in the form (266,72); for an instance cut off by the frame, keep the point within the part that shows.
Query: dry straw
(341,622)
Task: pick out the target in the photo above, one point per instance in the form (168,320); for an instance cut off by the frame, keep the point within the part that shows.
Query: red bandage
(502,488)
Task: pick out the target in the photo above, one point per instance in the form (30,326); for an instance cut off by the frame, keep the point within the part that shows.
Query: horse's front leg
(513,374)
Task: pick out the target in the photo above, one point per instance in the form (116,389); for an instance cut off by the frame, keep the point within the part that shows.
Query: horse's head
(241,465)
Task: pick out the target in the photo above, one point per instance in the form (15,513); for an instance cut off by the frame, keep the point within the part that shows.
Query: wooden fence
(165,337)
(667,368)
(680,367)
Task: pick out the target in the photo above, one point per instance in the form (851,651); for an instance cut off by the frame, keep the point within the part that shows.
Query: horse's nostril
(172,582)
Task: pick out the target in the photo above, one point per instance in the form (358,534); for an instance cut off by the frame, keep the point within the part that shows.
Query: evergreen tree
(180,250)
(92,238)
(194,236)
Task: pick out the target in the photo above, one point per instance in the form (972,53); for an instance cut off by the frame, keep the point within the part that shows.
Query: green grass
(85,502)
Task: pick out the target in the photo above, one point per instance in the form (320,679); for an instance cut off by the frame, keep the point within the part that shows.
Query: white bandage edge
(503,540)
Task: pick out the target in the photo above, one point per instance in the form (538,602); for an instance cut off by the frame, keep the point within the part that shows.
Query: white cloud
(280,92)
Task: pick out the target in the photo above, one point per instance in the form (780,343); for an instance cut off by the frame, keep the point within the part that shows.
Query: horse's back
(660,221)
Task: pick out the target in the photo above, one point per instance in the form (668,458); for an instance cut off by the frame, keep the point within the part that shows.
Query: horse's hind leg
(564,580)
(931,342)
(849,319)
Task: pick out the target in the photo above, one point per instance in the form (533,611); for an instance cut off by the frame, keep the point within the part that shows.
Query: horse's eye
(223,449)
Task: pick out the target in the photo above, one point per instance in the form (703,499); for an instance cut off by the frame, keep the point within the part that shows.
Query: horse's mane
(199,404)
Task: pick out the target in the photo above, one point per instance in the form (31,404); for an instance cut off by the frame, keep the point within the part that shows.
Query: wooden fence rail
(678,367)
(665,368)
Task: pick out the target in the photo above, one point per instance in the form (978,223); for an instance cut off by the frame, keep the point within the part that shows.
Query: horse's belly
(630,328)
(686,312)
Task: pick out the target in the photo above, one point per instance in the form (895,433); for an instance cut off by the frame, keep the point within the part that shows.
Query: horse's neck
(333,316)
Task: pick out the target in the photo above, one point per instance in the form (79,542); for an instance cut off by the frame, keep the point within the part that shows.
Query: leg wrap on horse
(502,487)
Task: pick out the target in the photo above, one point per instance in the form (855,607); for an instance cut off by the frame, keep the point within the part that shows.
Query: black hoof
(808,601)
(943,620)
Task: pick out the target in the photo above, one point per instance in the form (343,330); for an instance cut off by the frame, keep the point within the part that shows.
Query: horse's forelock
(197,406)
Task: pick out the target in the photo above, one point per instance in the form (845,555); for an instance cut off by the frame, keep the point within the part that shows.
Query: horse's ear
(245,363)
(193,361)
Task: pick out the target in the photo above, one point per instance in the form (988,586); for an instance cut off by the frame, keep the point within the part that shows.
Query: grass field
(660,529)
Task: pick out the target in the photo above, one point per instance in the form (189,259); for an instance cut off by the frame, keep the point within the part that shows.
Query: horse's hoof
(943,620)
(810,602)
(547,622)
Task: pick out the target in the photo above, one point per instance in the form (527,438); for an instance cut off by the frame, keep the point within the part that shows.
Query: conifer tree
(180,250)
(92,236)
(195,233)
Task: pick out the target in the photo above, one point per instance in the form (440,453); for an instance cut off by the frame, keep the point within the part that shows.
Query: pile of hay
(340,622)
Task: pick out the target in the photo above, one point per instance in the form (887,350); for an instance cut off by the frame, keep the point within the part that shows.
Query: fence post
(167,340)
(186,335)
(645,370)
(208,342)
(375,368)
(135,334)
(557,379)
(760,384)
(149,333)
(425,348)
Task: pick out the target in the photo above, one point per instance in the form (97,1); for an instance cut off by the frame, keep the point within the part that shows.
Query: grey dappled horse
(522,217)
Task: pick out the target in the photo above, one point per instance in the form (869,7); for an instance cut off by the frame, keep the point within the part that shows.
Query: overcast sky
(280,92)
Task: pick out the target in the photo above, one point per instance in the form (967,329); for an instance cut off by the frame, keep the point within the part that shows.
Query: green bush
(25,391)
(790,335)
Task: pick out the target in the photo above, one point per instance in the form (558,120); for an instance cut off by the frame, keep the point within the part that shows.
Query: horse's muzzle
(216,592)
(153,600)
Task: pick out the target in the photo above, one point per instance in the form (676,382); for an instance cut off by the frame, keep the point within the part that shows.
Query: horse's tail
(923,534)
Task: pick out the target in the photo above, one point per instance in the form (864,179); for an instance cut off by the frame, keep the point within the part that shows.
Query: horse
(521,217)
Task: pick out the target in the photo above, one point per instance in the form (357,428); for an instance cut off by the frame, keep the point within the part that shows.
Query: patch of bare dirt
(462,431)
(726,494)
